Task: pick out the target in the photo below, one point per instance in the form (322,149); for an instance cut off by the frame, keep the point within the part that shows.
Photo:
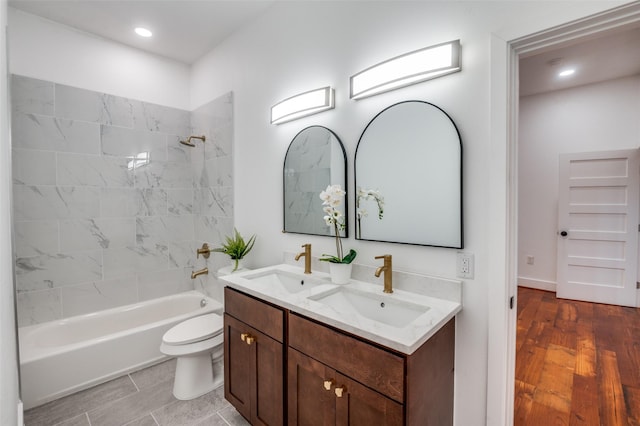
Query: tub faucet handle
(205,251)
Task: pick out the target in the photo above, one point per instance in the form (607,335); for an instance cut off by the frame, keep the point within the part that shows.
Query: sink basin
(377,307)
(283,281)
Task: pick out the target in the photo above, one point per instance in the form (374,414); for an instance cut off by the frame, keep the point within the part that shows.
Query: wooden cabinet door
(358,405)
(310,402)
(237,366)
(268,400)
(253,373)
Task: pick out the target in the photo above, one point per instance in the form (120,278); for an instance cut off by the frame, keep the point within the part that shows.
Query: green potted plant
(236,247)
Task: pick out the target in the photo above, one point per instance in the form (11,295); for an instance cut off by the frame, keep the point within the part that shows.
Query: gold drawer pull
(328,384)
(250,339)
(339,391)
(244,336)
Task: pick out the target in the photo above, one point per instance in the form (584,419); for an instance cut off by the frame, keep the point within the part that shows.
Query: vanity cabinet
(254,358)
(332,377)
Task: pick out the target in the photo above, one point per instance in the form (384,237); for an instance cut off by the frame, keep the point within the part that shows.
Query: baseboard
(20,414)
(537,284)
(551,286)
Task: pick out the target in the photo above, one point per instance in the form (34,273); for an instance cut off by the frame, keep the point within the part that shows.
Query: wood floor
(577,363)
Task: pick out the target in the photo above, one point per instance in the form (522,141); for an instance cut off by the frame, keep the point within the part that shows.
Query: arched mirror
(315,159)
(408,174)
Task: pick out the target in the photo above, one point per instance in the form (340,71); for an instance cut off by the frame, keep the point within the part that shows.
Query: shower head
(191,144)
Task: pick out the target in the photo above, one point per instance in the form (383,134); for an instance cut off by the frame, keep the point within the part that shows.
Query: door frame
(503,192)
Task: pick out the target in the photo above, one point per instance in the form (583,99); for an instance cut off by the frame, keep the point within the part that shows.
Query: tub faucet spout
(388,273)
(307,257)
(203,271)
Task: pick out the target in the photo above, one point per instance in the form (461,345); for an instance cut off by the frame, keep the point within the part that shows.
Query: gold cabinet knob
(339,391)
(247,338)
(328,384)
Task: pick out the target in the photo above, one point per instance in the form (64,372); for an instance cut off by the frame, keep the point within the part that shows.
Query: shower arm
(189,143)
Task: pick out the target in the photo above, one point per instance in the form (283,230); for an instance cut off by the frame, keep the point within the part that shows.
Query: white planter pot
(340,272)
(240,264)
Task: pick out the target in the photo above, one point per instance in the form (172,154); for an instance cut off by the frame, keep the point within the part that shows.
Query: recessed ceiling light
(567,72)
(143,32)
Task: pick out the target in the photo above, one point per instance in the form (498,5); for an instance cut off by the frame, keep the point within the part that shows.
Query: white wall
(301,47)
(596,117)
(8,357)
(49,51)
(297,47)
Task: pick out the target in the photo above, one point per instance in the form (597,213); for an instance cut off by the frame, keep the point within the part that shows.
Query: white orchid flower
(338,191)
(370,194)
(331,198)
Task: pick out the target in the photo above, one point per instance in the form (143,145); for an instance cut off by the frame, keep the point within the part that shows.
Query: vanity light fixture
(303,104)
(409,68)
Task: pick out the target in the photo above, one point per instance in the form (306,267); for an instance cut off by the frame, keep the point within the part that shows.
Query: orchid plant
(364,195)
(331,200)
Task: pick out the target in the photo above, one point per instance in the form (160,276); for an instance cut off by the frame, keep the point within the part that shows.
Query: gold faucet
(203,271)
(307,257)
(388,273)
(205,251)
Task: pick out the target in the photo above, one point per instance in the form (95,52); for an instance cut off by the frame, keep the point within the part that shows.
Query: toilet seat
(193,349)
(193,330)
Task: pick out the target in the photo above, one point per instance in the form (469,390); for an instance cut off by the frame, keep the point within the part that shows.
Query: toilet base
(195,377)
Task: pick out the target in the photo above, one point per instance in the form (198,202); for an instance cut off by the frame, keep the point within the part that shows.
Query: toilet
(194,343)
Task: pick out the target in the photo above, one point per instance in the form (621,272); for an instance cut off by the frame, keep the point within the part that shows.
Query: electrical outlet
(464,265)
(530,260)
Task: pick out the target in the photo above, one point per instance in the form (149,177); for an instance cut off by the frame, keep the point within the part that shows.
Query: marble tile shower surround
(442,288)
(109,207)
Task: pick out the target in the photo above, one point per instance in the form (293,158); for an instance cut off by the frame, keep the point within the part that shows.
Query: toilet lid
(194,330)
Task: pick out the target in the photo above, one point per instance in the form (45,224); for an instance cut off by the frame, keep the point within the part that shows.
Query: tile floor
(142,398)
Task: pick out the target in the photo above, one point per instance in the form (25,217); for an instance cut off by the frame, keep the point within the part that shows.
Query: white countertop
(405,339)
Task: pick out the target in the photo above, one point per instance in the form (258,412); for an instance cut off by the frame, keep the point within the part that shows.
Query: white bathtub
(60,357)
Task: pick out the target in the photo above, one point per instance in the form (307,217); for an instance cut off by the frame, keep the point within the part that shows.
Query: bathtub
(61,357)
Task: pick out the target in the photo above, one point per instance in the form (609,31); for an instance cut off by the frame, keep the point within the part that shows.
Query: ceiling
(185,30)
(608,56)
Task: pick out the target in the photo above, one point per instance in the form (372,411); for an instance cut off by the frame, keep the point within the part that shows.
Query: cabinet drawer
(262,316)
(368,364)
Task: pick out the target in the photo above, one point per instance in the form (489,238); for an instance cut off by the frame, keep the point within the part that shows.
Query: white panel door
(598,227)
